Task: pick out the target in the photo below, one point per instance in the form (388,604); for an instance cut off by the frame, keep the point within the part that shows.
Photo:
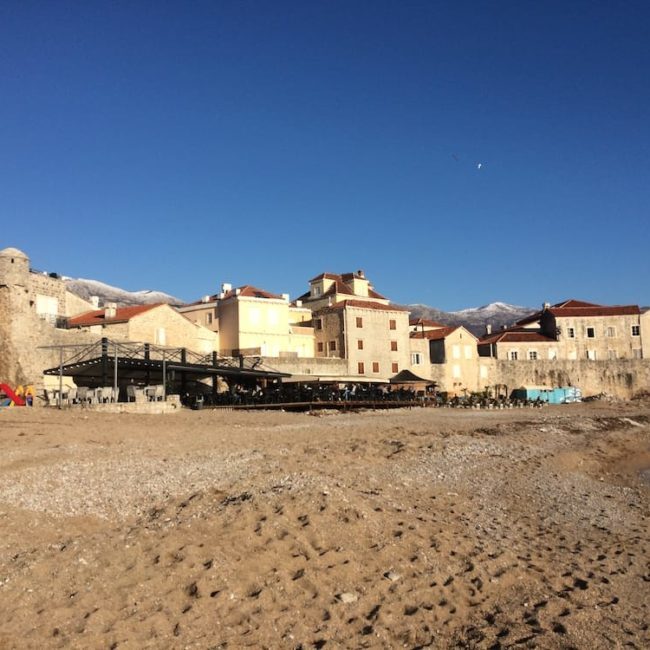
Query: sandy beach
(438,528)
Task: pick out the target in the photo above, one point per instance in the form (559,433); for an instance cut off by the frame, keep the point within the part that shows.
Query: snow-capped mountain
(496,314)
(107,293)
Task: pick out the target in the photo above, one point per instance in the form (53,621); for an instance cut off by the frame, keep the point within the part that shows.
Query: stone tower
(14,268)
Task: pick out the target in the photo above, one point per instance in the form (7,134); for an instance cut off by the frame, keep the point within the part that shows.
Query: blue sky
(178,145)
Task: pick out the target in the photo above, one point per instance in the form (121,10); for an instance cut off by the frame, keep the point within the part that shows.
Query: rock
(348,597)
(392,576)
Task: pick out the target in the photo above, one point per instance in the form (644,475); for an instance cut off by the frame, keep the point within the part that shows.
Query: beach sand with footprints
(407,529)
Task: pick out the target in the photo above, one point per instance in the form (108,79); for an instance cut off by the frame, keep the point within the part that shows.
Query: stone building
(572,330)
(452,357)
(31,305)
(158,324)
(352,321)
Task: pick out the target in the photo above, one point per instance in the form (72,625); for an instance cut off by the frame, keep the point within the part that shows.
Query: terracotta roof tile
(436,335)
(98,317)
(427,323)
(248,291)
(616,310)
(363,304)
(516,336)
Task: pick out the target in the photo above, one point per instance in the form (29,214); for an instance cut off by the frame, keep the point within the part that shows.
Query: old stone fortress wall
(340,328)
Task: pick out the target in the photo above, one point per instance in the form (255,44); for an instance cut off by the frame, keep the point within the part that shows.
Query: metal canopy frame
(119,362)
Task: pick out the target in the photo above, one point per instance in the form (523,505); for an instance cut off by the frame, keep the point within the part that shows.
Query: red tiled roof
(516,336)
(597,310)
(427,323)
(363,304)
(248,291)
(328,276)
(339,283)
(434,335)
(572,308)
(97,316)
(574,303)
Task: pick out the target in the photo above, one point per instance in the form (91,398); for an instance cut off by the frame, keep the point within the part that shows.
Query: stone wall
(307,366)
(24,337)
(622,378)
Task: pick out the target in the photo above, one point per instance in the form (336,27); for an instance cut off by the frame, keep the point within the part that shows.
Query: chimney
(298,303)
(360,273)
(226,287)
(94,301)
(205,299)
(111,310)
(546,305)
(285,297)
(488,329)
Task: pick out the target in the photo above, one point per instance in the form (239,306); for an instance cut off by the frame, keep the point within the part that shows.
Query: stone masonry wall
(622,378)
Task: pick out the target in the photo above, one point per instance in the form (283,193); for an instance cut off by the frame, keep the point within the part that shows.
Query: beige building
(572,330)
(352,321)
(156,324)
(373,337)
(328,289)
(452,357)
(251,321)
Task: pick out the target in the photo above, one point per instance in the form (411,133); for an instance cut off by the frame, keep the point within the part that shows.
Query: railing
(149,351)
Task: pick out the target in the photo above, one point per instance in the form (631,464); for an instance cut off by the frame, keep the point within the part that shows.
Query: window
(483,372)
(637,353)
(591,332)
(360,368)
(395,367)
(316,291)
(393,346)
(359,344)
(552,353)
(375,366)
(532,355)
(512,355)
(318,324)
(468,351)
(455,351)
(611,354)
(208,318)
(332,346)
(610,332)
(320,346)
(571,332)
(392,324)
(359,321)
(455,371)
(591,355)
(416,358)
(636,330)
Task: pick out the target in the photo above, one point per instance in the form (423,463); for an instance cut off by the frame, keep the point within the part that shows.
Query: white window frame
(532,355)
(513,355)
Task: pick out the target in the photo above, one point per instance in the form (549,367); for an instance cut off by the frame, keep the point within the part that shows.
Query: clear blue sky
(178,145)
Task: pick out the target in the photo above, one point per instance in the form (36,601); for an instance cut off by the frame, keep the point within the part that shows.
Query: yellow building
(252,321)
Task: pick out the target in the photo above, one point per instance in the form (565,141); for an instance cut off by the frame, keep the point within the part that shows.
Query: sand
(405,529)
